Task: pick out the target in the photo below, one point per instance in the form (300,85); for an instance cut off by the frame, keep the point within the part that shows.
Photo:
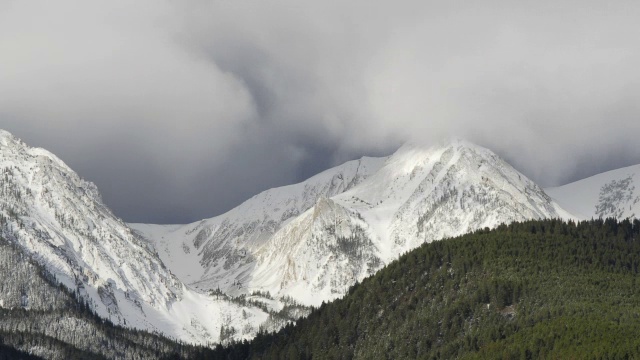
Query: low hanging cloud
(180,110)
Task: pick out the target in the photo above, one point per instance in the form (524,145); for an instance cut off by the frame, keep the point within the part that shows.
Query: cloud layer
(180,110)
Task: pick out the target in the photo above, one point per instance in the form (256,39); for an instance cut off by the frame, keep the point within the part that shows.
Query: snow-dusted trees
(42,318)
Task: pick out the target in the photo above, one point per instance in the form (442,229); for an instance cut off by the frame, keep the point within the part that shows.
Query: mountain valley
(275,258)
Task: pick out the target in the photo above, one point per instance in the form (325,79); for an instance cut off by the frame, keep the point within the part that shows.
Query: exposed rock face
(609,194)
(616,197)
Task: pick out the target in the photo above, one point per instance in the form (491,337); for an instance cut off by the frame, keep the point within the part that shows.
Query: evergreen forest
(531,290)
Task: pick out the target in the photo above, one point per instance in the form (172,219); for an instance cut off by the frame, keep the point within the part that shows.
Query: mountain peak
(312,240)
(6,138)
(415,160)
(456,143)
(59,220)
(5,133)
(13,147)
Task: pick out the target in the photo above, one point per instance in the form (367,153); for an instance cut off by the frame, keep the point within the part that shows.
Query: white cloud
(213,95)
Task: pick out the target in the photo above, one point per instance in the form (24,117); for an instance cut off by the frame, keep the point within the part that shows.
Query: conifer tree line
(528,290)
(41,319)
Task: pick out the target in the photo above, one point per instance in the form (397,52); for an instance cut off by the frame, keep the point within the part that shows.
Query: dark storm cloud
(180,110)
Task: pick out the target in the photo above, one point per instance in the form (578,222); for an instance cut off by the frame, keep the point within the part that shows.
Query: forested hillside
(538,289)
(39,319)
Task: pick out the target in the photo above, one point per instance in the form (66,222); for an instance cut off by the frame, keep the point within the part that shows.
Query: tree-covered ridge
(537,289)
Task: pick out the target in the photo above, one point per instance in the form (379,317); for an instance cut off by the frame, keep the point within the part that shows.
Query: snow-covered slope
(423,195)
(311,245)
(207,252)
(317,256)
(60,220)
(609,194)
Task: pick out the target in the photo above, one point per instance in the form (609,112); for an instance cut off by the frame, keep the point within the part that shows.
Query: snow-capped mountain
(311,241)
(215,253)
(609,194)
(60,221)
(304,243)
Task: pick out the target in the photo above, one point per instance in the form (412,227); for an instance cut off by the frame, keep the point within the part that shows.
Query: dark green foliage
(9,353)
(538,289)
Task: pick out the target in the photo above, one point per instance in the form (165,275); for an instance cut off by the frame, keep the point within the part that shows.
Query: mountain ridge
(411,197)
(257,266)
(59,219)
(533,290)
(609,194)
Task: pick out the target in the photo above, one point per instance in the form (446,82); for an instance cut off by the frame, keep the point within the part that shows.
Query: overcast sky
(180,110)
